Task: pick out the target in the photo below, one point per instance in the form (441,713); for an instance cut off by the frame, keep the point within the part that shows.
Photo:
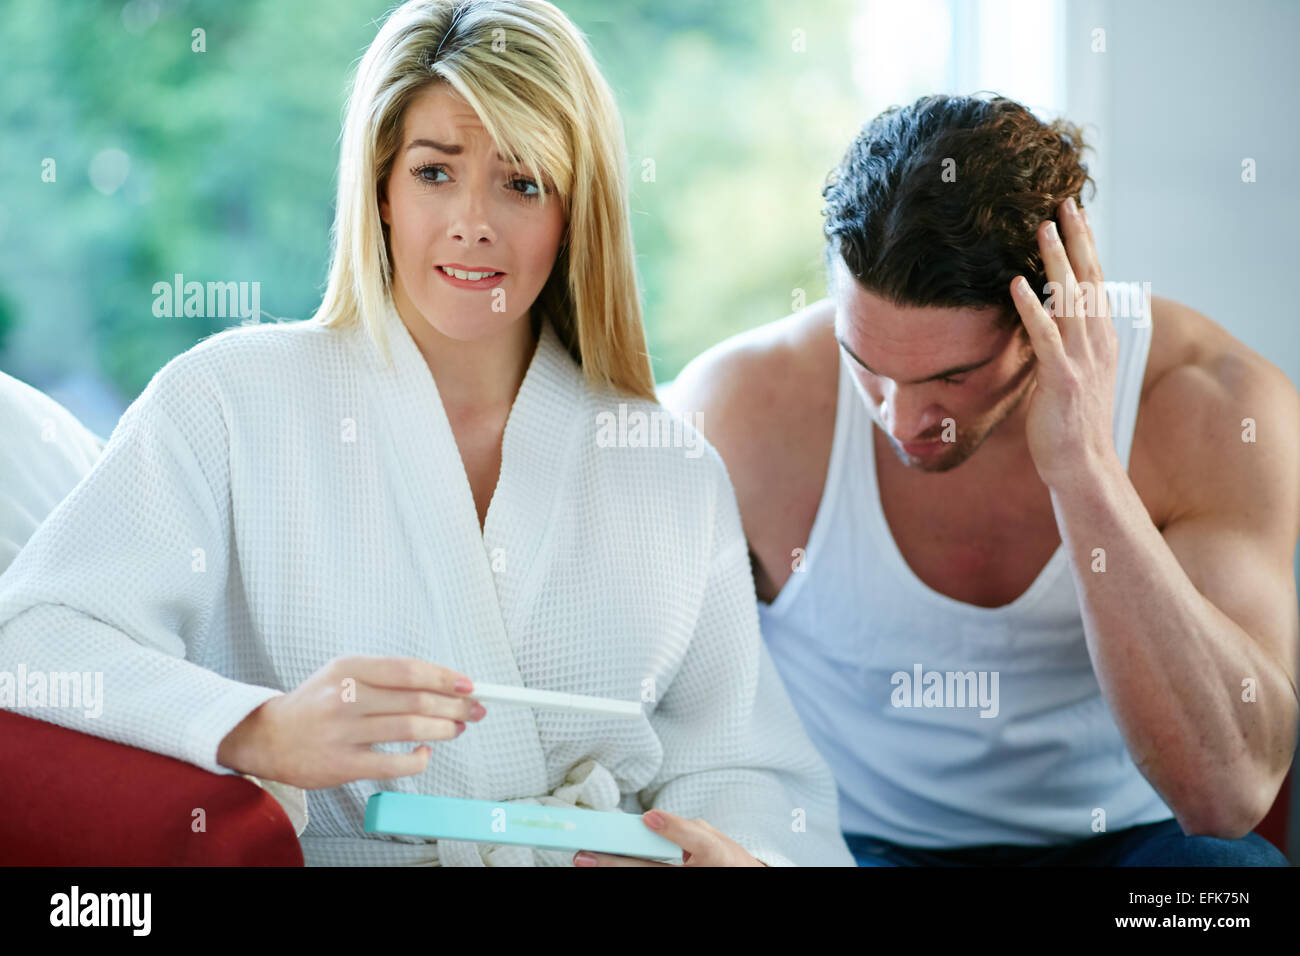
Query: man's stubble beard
(967,441)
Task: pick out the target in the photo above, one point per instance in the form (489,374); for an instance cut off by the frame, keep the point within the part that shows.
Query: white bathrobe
(277,497)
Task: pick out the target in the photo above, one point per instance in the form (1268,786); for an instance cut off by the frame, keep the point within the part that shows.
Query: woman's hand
(319,734)
(701,845)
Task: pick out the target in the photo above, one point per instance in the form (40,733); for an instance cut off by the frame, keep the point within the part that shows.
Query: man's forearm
(1170,664)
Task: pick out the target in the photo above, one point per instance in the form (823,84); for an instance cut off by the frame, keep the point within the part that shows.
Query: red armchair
(73,799)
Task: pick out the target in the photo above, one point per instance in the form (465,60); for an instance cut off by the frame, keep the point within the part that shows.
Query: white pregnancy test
(554,700)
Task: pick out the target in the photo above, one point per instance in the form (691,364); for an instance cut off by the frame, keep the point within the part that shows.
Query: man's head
(931,213)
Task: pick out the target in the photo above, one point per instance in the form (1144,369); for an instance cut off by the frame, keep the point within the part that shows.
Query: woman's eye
(435,175)
(420,171)
(526,184)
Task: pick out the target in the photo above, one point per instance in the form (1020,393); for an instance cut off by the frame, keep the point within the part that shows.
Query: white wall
(1184,92)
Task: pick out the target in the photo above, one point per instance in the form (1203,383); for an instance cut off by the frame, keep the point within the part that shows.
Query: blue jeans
(1154,844)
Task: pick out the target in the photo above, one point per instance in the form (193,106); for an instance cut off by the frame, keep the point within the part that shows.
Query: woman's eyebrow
(451,149)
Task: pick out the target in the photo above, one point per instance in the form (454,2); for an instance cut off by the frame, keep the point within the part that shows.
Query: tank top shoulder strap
(835,467)
(1130,311)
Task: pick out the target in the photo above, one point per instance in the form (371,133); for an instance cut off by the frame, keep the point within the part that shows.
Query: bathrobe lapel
(477,607)
(539,455)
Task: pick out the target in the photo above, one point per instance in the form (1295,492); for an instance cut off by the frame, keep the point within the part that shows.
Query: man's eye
(951,380)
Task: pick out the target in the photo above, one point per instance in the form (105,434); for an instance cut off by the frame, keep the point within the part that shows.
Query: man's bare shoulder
(766,401)
(1217,420)
(750,390)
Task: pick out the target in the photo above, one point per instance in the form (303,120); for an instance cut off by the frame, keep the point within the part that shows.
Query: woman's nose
(469,222)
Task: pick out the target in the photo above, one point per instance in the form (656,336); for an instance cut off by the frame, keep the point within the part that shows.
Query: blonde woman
(306,540)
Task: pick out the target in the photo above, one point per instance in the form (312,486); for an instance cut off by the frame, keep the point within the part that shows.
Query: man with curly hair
(1022,541)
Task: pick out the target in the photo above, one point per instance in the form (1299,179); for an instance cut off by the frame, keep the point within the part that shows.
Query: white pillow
(44,453)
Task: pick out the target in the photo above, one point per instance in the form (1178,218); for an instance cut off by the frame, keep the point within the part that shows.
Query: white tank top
(852,631)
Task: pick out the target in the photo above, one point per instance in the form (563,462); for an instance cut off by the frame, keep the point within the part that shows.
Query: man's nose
(907,414)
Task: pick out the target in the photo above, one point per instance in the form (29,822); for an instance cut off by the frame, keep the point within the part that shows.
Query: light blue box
(522,824)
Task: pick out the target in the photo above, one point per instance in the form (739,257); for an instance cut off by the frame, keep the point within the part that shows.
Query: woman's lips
(489,283)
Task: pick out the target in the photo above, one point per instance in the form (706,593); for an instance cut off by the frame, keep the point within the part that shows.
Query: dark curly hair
(918,237)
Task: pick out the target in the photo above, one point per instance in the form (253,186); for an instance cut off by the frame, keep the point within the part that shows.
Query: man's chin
(932,463)
(944,459)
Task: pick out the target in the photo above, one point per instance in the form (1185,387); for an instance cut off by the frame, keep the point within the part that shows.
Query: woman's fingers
(376,766)
(384,700)
(405,673)
(320,734)
(393,728)
(705,844)
(613,859)
(702,844)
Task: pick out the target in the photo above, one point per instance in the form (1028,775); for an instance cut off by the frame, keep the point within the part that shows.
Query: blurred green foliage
(230,159)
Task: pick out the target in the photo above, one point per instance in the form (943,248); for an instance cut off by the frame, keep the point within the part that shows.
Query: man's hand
(1069,421)
(701,845)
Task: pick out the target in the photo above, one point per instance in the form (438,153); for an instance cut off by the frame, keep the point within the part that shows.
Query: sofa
(71,799)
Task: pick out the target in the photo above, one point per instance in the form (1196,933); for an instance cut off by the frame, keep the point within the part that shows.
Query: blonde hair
(525,69)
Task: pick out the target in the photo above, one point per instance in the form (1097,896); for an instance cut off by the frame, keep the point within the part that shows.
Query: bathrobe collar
(483,582)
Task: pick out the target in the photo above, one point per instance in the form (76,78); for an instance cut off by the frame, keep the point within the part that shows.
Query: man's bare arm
(1193,633)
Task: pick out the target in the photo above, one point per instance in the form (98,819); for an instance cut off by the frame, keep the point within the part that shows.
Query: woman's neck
(474,377)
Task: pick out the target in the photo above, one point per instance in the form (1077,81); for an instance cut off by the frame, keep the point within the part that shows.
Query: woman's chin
(462,325)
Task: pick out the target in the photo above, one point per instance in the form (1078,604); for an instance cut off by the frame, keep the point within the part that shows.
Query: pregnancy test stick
(554,700)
